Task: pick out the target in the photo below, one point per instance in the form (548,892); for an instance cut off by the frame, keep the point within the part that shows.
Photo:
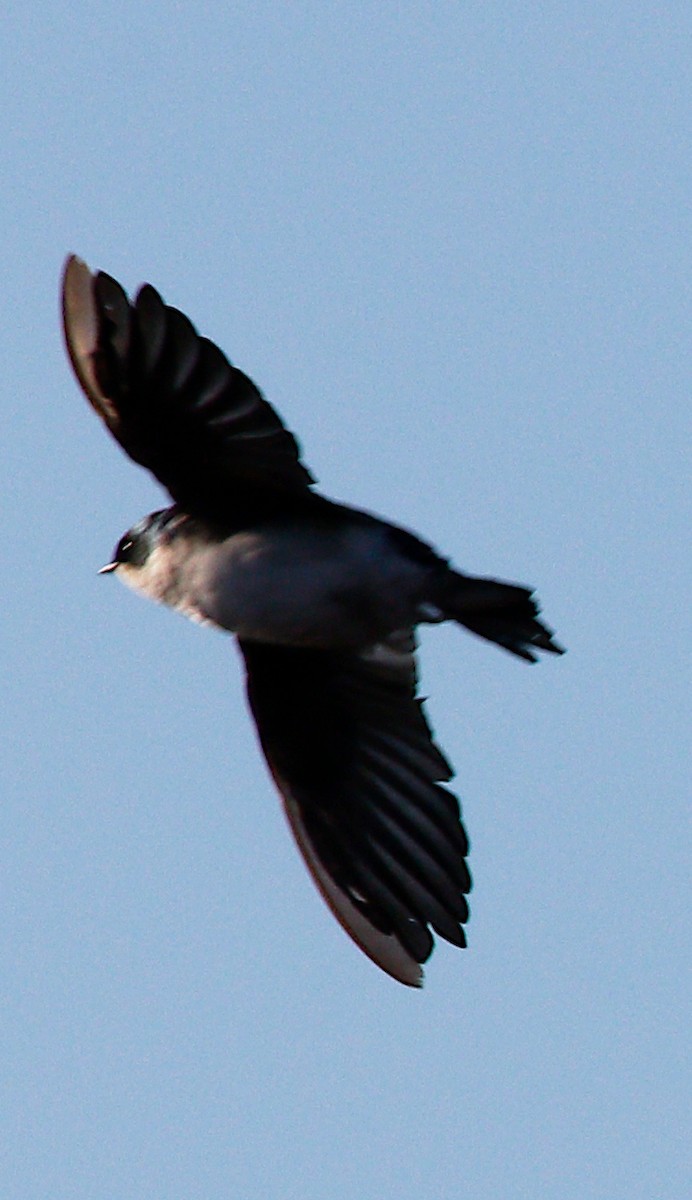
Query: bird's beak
(108,568)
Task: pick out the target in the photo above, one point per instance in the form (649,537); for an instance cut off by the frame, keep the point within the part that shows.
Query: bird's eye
(125,550)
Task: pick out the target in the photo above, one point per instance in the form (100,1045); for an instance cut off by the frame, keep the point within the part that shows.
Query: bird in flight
(324,601)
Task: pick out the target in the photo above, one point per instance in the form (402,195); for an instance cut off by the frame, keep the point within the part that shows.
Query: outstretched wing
(173,400)
(352,754)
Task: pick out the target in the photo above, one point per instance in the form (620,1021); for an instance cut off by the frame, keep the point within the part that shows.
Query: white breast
(302,587)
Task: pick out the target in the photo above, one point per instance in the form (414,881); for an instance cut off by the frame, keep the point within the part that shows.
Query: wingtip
(80,321)
(75,274)
(73,258)
(384,950)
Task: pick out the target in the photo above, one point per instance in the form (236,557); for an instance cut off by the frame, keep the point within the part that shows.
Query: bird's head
(140,554)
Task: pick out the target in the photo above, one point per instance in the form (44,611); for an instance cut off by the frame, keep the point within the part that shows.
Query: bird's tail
(505,613)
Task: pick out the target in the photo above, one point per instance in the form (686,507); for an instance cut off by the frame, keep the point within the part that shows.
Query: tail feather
(504,613)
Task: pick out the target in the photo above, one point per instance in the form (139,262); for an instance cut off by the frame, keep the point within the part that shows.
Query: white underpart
(430,612)
(394,654)
(290,585)
(159,581)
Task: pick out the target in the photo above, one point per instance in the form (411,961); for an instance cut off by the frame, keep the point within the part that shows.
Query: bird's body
(324,600)
(334,577)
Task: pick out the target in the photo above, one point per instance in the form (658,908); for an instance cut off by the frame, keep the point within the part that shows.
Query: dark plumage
(324,600)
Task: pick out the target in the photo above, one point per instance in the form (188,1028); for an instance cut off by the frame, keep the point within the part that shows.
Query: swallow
(324,601)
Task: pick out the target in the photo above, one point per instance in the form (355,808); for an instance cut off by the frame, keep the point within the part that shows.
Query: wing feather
(175,403)
(362,783)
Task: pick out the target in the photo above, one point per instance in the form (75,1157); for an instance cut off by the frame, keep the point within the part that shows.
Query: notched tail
(504,613)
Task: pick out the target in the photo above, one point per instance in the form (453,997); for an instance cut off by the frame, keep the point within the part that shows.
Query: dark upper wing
(352,755)
(172,399)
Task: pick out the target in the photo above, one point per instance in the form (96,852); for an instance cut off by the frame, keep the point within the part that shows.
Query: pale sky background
(451,242)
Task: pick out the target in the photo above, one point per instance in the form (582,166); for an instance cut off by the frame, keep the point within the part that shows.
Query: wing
(352,754)
(173,400)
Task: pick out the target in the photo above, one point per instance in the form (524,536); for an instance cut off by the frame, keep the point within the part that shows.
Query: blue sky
(451,243)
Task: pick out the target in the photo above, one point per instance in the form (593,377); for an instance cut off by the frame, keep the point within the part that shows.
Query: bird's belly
(319,590)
